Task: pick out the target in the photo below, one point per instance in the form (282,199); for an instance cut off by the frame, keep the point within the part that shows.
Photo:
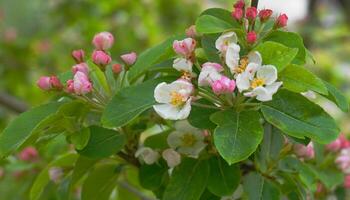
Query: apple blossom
(247,63)
(185,47)
(237,14)
(81,67)
(103,41)
(251,13)
(28,154)
(340,143)
(81,84)
(306,152)
(174,99)
(223,86)
(78,56)
(343,160)
(55,83)
(265,15)
(239,4)
(147,155)
(209,73)
(117,68)
(44,83)
(101,58)
(171,157)
(225,40)
(191,31)
(129,58)
(251,37)
(70,86)
(281,21)
(183,65)
(186,139)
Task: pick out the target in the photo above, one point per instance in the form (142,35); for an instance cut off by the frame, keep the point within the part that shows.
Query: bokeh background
(37,36)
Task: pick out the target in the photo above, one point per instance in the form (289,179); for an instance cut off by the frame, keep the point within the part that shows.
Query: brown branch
(130,159)
(12,103)
(254,3)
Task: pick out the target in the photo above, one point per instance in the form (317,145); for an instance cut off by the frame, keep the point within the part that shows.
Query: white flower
(186,139)
(148,155)
(174,99)
(210,73)
(225,40)
(171,157)
(261,83)
(247,63)
(183,65)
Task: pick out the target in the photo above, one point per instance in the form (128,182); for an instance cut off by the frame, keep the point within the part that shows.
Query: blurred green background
(37,36)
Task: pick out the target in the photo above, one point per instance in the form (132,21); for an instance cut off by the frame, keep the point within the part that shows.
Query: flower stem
(204,106)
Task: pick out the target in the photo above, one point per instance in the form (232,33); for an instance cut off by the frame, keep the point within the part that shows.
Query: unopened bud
(281,21)
(129,58)
(101,58)
(117,68)
(191,31)
(237,14)
(78,56)
(265,15)
(251,13)
(103,41)
(44,83)
(251,37)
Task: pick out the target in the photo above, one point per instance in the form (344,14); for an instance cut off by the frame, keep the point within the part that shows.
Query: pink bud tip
(185,47)
(239,4)
(265,15)
(237,14)
(103,41)
(78,56)
(251,37)
(70,86)
(55,83)
(223,86)
(81,67)
(216,66)
(281,21)
(117,68)
(28,154)
(81,84)
(251,13)
(306,152)
(347,182)
(129,58)
(101,58)
(191,31)
(44,83)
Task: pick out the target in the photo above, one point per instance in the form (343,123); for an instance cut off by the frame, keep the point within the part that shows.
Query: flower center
(186,75)
(243,63)
(176,99)
(188,140)
(257,82)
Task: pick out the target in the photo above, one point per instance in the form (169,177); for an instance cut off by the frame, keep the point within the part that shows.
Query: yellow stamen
(257,82)
(176,99)
(188,140)
(186,75)
(243,63)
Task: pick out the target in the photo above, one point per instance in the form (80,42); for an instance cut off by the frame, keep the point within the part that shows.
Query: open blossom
(101,58)
(174,99)
(78,56)
(147,155)
(129,58)
(103,41)
(185,47)
(81,67)
(306,152)
(186,139)
(171,157)
(81,83)
(28,154)
(225,40)
(281,21)
(343,160)
(210,72)
(223,86)
(183,65)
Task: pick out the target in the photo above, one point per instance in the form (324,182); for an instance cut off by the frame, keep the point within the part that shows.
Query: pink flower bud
(347,182)
(343,160)
(101,58)
(129,58)
(237,14)
(210,65)
(55,83)
(44,83)
(251,13)
(345,143)
(265,15)
(223,86)
(29,154)
(306,152)
(251,37)
(78,56)
(81,67)
(191,31)
(281,21)
(335,145)
(81,84)
(117,68)
(70,86)
(239,4)
(185,47)
(103,41)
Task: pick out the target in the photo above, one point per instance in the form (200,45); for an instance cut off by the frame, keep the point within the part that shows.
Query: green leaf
(128,103)
(158,141)
(223,178)
(292,40)
(200,117)
(298,79)
(80,139)
(81,167)
(188,180)
(152,176)
(295,115)
(209,196)
(98,78)
(337,97)
(103,143)
(152,56)
(43,178)
(237,135)
(23,127)
(276,54)
(222,14)
(208,45)
(207,24)
(331,178)
(257,187)
(100,183)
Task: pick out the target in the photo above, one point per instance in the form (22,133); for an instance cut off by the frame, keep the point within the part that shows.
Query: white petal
(268,73)
(229,37)
(243,81)
(251,70)
(207,77)
(182,64)
(171,157)
(273,87)
(232,56)
(168,111)
(185,110)
(174,139)
(261,93)
(255,57)
(185,87)
(162,93)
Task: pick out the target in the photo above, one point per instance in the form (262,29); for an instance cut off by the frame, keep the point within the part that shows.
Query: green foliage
(200,117)
(207,24)
(257,187)
(337,97)
(295,115)
(237,135)
(153,176)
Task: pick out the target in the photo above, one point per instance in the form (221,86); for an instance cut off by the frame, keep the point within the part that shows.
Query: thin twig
(134,190)
(12,103)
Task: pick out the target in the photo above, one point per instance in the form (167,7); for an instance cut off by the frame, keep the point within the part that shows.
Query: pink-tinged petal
(103,41)
(129,58)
